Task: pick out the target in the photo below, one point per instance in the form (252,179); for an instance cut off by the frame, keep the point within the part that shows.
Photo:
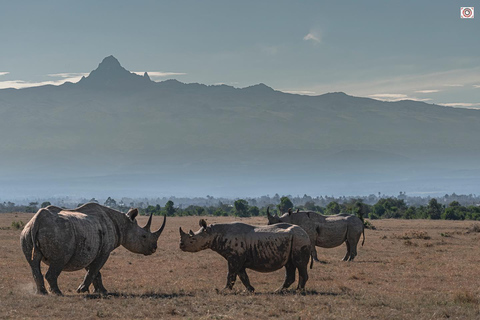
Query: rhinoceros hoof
(102,292)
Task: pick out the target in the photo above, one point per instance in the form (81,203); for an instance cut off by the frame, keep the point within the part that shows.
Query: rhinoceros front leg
(92,272)
(242,274)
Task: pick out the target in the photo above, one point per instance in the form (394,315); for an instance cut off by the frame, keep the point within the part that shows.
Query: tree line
(389,207)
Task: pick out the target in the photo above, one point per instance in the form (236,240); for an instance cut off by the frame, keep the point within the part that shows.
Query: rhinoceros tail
(363,241)
(311,261)
(34,231)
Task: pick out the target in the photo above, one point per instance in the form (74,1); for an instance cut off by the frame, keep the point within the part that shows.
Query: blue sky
(388,50)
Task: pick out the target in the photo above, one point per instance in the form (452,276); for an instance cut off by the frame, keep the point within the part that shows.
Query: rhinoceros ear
(290,211)
(298,210)
(132,213)
(203,224)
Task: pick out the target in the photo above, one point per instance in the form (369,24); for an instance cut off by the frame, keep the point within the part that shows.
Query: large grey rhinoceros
(326,231)
(70,240)
(260,248)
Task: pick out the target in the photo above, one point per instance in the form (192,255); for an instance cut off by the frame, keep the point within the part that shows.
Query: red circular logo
(467,12)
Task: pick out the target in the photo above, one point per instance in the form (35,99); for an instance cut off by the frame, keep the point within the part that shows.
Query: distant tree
(45,204)
(310,206)
(94,200)
(253,211)
(333,208)
(111,203)
(169,209)
(434,209)
(285,204)
(241,208)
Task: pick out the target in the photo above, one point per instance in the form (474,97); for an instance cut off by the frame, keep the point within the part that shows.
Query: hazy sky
(382,49)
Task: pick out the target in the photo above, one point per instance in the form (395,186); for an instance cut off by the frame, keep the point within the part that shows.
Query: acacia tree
(241,208)
(169,209)
(333,208)
(285,204)
(434,209)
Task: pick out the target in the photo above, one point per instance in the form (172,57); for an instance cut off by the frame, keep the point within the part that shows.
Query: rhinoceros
(70,240)
(260,248)
(326,231)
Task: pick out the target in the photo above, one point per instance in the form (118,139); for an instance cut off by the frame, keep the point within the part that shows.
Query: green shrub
(17,225)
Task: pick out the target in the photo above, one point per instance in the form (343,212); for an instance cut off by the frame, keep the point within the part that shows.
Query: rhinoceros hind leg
(242,274)
(314,253)
(52,275)
(37,274)
(302,277)
(98,284)
(347,255)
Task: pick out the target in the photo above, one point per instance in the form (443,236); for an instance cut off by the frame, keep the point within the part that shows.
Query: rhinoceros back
(73,237)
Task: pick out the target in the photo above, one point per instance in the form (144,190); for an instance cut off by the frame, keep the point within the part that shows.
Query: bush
(17,225)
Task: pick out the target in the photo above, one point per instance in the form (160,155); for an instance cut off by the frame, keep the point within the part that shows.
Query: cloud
(427,91)
(68,75)
(303,92)
(453,85)
(476,85)
(159,74)
(4,73)
(389,96)
(313,36)
(462,105)
(64,77)
(392,97)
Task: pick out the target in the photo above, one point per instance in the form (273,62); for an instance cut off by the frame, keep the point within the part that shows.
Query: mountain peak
(261,87)
(110,73)
(109,63)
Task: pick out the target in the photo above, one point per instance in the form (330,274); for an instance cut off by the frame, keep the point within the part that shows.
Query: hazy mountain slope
(114,121)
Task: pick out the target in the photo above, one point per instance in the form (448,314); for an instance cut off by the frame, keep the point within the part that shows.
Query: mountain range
(116,132)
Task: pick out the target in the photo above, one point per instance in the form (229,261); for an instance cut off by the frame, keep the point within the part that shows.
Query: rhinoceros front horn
(269,216)
(181,231)
(159,231)
(149,223)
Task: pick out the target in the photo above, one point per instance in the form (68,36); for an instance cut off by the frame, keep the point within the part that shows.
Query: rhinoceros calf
(326,231)
(70,240)
(260,248)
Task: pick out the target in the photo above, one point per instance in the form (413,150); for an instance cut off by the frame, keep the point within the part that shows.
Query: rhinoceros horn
(269,216)
(149,223)
(181,231)
(159,231)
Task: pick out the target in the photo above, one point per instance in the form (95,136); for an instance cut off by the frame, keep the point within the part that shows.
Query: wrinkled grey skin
(260,248)
(70,240)
(326,231)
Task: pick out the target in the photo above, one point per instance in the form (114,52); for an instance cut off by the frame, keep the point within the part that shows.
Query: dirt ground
(407,269)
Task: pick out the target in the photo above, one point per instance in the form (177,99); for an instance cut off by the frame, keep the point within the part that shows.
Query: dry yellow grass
(400,273)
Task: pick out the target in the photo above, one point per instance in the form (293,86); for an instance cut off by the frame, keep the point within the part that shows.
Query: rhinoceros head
(273,219)
(138,239)
(200,240)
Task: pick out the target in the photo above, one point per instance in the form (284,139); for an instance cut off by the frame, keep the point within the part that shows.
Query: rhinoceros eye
(144,237)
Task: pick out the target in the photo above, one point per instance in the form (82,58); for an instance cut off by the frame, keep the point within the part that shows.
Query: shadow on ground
(141,296)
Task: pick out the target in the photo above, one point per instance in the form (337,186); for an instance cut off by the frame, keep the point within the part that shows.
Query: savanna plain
(407,269)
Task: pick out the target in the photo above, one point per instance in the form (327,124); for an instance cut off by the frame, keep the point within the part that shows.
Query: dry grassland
(413,269)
